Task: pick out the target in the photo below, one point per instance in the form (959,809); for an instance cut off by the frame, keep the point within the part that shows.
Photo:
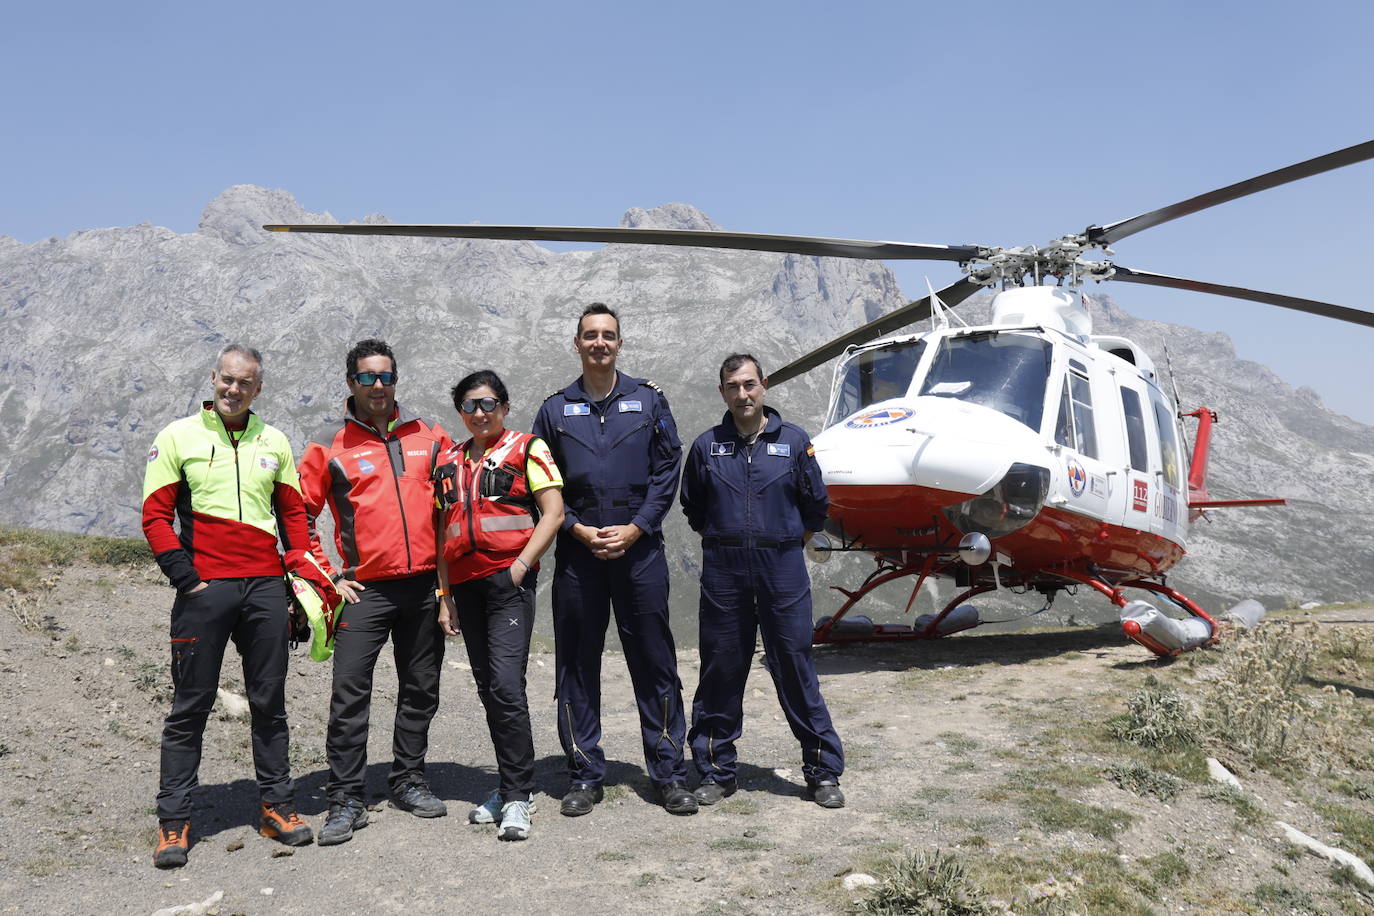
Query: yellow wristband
(440,593)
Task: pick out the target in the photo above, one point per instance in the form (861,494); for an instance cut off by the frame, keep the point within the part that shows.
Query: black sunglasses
(368,379)
(470,405)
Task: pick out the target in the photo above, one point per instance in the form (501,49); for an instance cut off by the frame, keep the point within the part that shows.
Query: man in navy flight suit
(753,490)
(614,439)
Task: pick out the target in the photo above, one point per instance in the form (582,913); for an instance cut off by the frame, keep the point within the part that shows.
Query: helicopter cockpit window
(1007,372)
(1075,427)
(875,375)
(1135,429)
(1168,441)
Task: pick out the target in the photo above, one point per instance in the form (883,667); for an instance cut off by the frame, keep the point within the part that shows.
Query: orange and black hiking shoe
(173,842)
(281,822)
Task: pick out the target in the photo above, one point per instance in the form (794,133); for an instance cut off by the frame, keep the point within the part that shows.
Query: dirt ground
(932,733)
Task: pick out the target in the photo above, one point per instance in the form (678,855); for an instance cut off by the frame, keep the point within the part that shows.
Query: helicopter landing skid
(833,630)
(1132,628)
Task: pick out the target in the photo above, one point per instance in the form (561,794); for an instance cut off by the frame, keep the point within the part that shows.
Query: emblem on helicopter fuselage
(882,417)
(1078,478)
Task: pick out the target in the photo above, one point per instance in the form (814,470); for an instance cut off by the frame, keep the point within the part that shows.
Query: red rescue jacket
(487,506)
(379,492)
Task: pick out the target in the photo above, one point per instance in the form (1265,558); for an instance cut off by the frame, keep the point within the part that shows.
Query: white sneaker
(515,820)
(489,812)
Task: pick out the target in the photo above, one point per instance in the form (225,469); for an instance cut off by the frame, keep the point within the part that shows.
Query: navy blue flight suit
(751,504)
(619,460)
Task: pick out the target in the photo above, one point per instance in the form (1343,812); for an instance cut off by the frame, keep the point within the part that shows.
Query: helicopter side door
(1169,506)
(1081,437)
(1142,470)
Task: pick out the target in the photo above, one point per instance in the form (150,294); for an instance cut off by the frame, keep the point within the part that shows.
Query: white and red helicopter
(1027,453)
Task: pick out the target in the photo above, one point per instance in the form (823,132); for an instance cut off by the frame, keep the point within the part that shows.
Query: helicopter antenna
(1178,403)
(939,312)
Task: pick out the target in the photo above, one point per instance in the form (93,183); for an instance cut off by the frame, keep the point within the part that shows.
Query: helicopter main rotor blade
(895,320)
(1311,306)
(1114,232)
(695,238)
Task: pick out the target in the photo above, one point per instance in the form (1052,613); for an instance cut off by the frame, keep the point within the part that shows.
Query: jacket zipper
(400,504)
(238,480)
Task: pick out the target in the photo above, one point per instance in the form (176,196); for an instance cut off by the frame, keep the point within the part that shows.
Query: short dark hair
(372,346)
(734,361)
(598,308)
(477,380)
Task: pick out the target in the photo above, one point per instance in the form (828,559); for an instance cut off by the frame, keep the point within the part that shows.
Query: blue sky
(994,123)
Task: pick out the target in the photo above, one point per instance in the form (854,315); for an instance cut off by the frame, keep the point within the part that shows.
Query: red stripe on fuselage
(893,518)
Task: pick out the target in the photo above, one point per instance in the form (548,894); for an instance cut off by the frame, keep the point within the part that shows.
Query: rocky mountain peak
(668,216)
(237,215)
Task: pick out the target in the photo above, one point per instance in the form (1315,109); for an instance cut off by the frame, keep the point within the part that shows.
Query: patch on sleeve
(579,409)
(152,454)
(722,449)
(810,449)
(781,449)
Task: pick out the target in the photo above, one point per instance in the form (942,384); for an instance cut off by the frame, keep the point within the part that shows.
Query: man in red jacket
(372,469)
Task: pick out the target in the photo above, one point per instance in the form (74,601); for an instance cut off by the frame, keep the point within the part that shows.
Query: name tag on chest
(577,410)
(722,449)
(631,407)
(781,449)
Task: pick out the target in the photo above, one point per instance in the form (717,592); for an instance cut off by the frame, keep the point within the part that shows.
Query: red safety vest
(487,504)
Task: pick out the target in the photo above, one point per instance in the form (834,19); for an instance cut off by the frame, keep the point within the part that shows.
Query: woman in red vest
(500,506)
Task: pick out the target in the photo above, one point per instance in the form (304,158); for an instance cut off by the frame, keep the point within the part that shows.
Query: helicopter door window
(1168,442)
(875,375)
(1075,427)
(1007,372)
(1135,429)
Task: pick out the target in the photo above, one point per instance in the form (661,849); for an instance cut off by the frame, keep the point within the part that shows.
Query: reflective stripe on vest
(496,525)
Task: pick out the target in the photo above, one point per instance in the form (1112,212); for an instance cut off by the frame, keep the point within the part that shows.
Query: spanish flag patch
(811,450)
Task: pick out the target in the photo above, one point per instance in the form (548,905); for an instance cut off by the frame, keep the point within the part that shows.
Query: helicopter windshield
(1007,372)
(875,375)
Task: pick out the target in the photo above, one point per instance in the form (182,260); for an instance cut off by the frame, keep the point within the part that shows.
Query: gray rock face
(108,334)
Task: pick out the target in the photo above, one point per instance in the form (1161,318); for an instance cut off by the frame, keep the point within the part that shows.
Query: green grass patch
(741,844)
(1067,882)
(610,855)
(1157,717)
(1167,868)
(1054,813)
(958,742)
(1054,774)
(1247,812)
(927,882)
(1143,781)
(1282,898)
(26,555)
(744,806)
(1356,826)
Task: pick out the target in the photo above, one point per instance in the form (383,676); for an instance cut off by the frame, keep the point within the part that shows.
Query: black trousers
(404,610)
(497,620)
(253,613)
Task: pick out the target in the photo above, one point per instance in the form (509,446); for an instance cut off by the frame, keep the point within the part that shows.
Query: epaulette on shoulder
(654,385)
(555,394)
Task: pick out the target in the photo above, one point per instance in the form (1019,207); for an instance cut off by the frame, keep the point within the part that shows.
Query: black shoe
(580,798)
(712,791)
(341,821)
(825,793)
(416,798)
(676,799)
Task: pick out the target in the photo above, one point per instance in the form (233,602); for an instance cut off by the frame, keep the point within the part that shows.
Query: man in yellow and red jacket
(371,468)
(228,481)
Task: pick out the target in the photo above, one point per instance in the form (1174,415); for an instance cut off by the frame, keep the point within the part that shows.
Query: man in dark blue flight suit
(614,439)
(753,490)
